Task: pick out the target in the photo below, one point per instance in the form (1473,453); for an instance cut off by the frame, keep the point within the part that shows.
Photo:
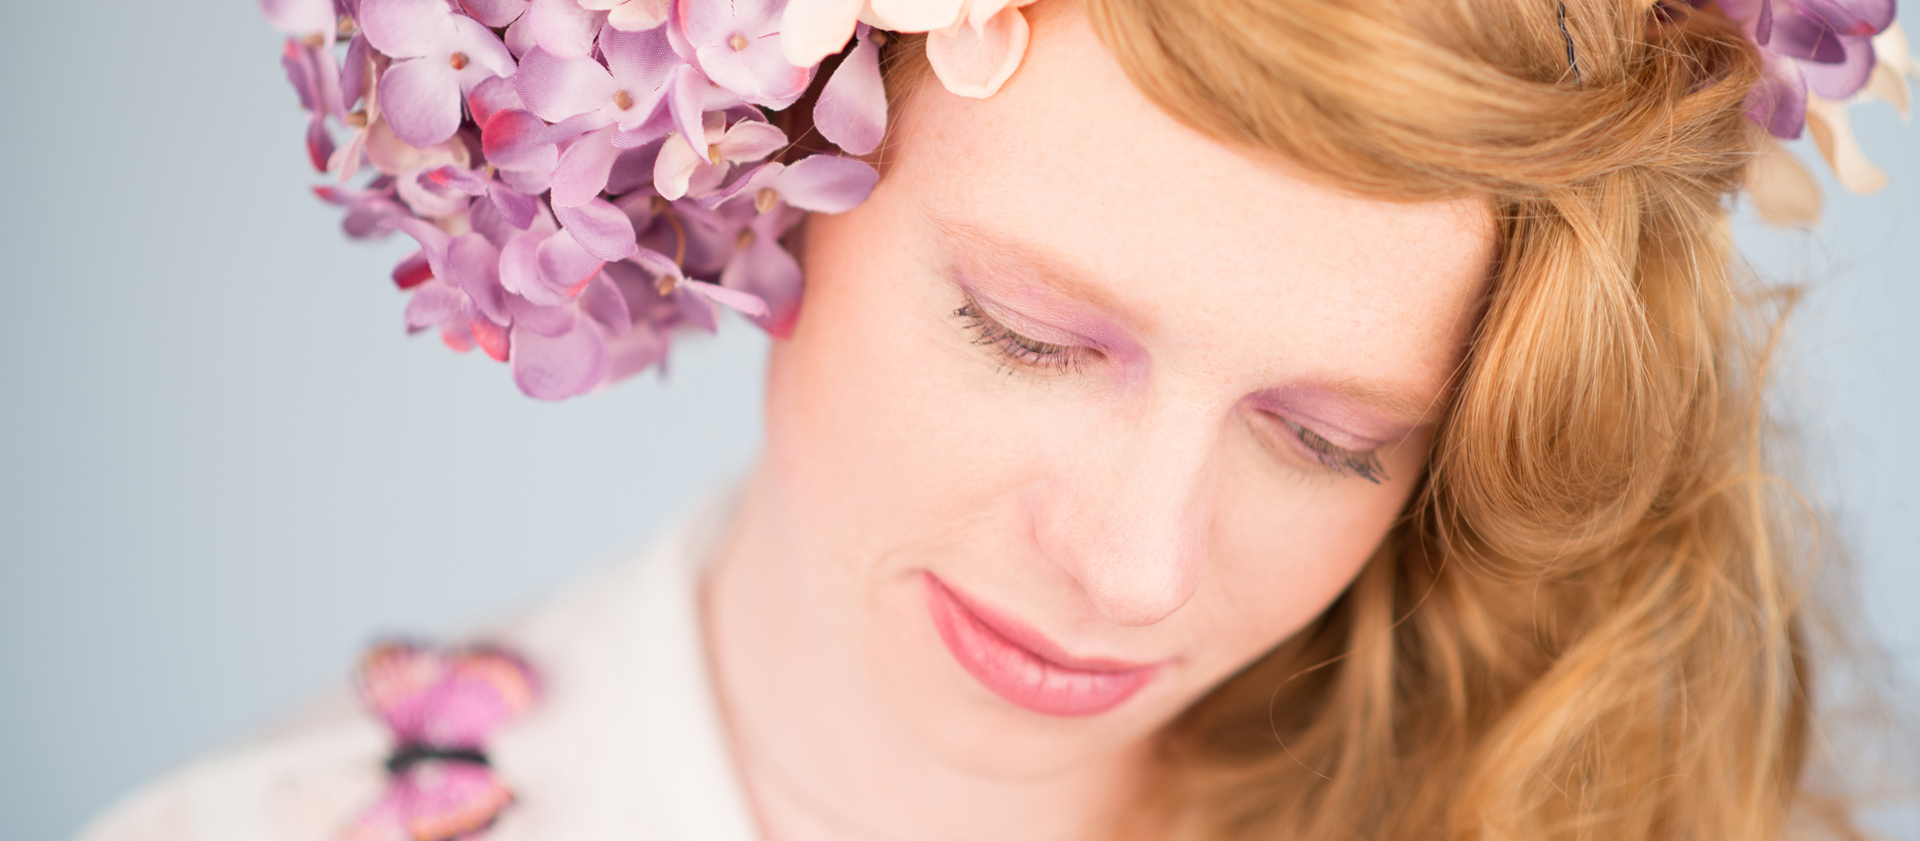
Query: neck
(820,753)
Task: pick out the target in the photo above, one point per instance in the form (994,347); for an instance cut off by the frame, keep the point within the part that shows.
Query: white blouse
(627,745)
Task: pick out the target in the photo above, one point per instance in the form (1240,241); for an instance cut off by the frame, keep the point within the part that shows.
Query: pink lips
(1022,666)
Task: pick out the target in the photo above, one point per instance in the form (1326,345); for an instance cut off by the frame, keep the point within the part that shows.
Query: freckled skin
(1143,506)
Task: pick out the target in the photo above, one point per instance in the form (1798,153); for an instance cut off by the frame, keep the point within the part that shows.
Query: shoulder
(626,736)
(303,782)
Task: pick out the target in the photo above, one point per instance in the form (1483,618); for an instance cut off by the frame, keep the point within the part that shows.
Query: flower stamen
(738,42)
(713,153)
(622,100)
(664,209)
(744,240)
(458,60)
(764,200)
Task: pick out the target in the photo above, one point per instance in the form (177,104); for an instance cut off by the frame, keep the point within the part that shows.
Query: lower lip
(1018,675)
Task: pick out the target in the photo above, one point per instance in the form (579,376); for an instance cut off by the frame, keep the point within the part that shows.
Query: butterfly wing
(434,801)
(480,689)
(397,682)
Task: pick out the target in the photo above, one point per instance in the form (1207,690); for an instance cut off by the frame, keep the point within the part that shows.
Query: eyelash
(1340,460)
(1014,347)
(1029,353)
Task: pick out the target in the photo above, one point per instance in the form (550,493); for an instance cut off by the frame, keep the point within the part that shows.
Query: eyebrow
(1013,257)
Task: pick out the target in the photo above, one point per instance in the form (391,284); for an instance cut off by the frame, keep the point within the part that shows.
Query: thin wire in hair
(1573,61)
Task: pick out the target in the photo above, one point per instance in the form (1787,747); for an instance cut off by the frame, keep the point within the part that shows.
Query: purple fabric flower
(439,56)
(680,170)
(852,110)
(1820,46)
(564,27)
(820,183)
(600,179)
(737,45)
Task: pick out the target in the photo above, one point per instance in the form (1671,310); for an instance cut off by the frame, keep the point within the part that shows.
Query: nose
(1128,515)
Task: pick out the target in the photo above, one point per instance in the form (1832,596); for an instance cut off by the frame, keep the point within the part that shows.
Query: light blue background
(223,468)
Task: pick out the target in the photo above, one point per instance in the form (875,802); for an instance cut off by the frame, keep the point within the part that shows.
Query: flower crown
(586,177)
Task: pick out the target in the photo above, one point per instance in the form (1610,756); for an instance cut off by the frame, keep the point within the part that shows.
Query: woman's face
(1085,411)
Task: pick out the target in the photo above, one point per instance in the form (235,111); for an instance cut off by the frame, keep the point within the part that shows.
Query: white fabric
(628,744)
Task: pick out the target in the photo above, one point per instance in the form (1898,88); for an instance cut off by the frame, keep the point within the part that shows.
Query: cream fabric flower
(973,45)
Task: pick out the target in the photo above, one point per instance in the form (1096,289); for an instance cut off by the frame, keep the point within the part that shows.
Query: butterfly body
(440,707)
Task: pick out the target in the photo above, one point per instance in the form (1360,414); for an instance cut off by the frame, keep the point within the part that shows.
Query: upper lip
(1032,641)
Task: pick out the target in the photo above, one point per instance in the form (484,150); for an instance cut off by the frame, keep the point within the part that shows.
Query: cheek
(872,427)
(1284,548)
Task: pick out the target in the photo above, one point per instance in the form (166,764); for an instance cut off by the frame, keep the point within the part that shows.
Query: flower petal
(518,140)
(1804,36)
(768,272)
(975,63)
(465,180)
(749,141)
(520,270)
(826,183)
(1782,189)
(565,267)
(432,240)
(638,15)
(558,367)
(430,304)
(300,18)
(1842,80)
(519,209)
(584,168)
(1832,131)
(1779,101)
(405,28)
(601,301)
(412,271)
(600,228)
(545,319)
(673,169)
(915,15)
(685,101)
(634,352)
(557,88)
(759,73)
(420,100)
(495,13)
(496,94)
(563,28)
(852,109)
(475,264)
(811,30)
(746,303)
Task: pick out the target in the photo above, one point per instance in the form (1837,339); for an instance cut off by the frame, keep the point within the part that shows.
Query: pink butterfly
(440,707)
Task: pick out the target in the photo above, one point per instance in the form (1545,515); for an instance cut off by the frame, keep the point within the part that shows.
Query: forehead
(1071,162)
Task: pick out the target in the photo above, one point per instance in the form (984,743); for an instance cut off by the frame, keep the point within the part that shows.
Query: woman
(1296,419)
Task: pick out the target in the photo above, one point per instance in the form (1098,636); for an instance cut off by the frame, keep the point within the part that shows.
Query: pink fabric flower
(439,56)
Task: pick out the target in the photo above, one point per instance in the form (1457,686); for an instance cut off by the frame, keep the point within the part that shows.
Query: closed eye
(1013,348)
(1306,443)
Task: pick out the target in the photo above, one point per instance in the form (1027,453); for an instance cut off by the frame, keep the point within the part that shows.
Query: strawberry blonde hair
(1590,621)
